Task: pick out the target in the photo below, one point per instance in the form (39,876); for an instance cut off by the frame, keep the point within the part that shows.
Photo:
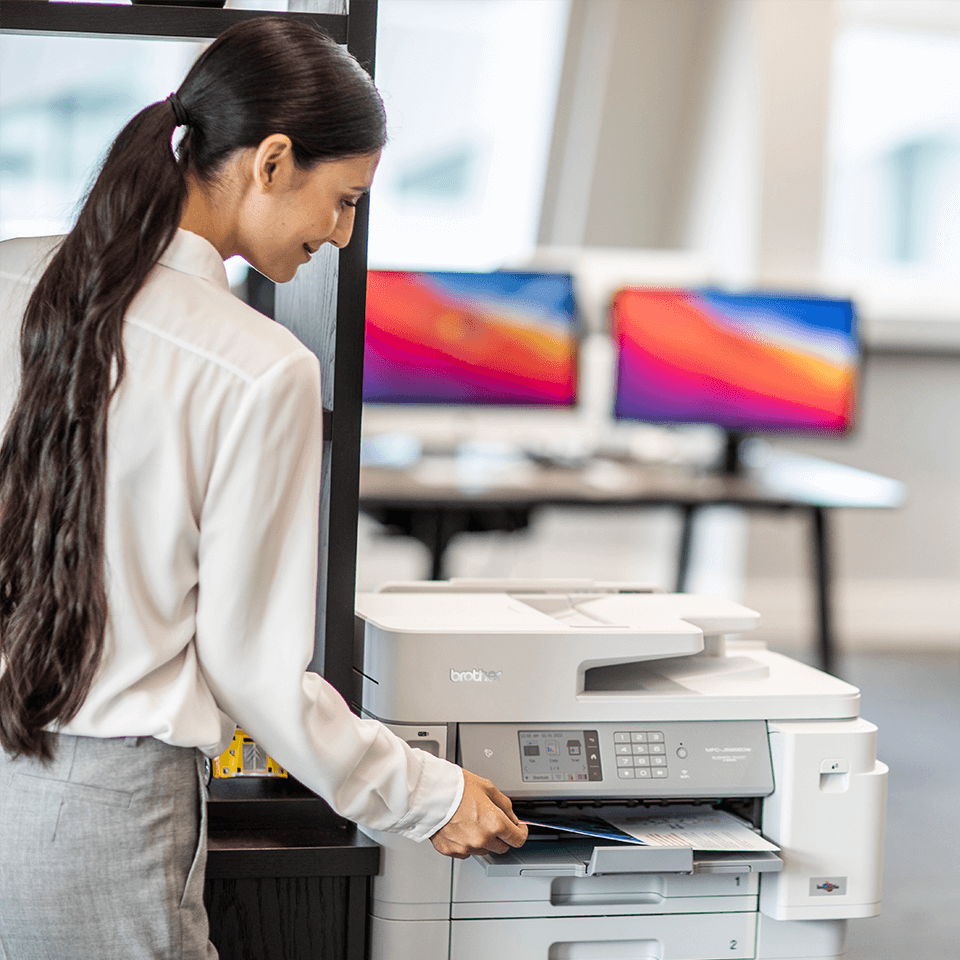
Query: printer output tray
(584,858)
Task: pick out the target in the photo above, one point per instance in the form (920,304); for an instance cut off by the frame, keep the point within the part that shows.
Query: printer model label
(828,886)
(475,676)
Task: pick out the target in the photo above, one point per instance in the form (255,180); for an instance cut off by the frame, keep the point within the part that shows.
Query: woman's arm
(255,629)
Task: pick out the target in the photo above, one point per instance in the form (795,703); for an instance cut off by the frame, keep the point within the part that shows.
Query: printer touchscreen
(549,755)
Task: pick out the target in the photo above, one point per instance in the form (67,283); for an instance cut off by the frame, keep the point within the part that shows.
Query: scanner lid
(558,608)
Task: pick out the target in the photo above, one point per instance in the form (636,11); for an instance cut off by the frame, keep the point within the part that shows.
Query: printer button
(624,761)
(621,738)
(627,773)
(623,749)
(638,737)
(643,772)
(657,748)
(660,772)
(641,748)
(834,766)
(658,761)
(655,737)
(641,761)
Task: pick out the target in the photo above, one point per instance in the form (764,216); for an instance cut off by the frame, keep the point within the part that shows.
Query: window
(893,208)
(62,101)
(470,88)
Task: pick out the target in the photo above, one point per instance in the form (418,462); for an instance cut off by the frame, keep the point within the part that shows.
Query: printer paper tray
(585,859)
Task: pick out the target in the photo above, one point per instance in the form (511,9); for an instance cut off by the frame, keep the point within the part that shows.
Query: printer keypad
(640,755)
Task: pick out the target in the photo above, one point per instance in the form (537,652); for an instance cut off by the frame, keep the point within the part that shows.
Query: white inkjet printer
(618,700)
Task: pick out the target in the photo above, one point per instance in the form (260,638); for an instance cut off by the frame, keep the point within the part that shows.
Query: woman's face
(291,212)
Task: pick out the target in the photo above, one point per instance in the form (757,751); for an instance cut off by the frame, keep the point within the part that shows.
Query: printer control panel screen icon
(559,755)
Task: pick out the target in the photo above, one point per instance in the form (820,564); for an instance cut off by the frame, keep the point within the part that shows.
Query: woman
(159,480)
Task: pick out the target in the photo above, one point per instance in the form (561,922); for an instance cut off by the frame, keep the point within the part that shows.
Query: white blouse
(213,480)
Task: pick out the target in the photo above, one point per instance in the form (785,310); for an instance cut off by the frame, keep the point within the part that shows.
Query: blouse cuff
(435,800)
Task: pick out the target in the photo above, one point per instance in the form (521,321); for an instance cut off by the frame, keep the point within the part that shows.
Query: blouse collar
(191,253)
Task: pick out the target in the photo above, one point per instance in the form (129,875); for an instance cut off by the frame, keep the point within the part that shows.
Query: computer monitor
(751,363)
(506,338)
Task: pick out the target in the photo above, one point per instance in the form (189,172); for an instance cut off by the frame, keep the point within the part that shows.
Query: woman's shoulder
(22,259)
(202,318)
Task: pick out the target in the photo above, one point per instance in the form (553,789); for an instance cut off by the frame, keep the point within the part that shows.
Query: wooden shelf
(275,852)
(141,21)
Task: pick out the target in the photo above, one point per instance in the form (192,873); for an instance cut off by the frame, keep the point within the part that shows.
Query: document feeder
(613,699)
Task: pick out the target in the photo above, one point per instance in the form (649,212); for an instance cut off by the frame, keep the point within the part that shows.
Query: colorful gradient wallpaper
(470,338)
(746,362)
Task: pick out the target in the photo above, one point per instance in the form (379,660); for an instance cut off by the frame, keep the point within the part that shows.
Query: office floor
(914,699)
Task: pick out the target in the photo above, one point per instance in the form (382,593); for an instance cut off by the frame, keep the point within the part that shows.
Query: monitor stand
(731,463)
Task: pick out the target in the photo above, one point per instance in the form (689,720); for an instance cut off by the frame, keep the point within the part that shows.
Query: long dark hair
(263,76)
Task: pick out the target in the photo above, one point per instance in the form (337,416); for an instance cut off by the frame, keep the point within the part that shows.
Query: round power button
(682,753)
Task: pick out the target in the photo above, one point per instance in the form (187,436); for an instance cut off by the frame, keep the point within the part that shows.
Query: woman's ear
(273,162)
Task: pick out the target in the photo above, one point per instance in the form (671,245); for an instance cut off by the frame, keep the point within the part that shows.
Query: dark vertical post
(324,306)
(307,306)
(347,399)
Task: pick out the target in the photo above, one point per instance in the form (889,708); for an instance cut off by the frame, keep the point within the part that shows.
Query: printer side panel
(409,939)
(414,880)
(827,814)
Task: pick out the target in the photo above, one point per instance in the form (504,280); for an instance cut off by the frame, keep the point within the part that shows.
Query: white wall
(710,122)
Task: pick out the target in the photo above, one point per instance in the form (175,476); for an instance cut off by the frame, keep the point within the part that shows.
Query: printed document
(700,828)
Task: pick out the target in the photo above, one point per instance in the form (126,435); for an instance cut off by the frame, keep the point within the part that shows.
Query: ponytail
(53,598)
(263,76)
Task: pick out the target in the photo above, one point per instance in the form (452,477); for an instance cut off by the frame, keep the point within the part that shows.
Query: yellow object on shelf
(244,758)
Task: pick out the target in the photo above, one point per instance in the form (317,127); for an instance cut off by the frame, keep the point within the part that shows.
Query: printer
(582,698)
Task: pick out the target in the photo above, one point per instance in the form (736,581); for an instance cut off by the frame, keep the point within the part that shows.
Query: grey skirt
(103,852)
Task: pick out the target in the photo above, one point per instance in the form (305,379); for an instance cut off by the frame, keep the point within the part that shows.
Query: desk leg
(689,511)
(433,529)
(438,548)
(821,554)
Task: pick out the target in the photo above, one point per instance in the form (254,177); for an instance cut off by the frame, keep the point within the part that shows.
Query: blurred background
(807,145)
(810,146)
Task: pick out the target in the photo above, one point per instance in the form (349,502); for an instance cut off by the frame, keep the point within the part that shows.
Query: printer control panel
(555,756)
(613,759)
(641,754)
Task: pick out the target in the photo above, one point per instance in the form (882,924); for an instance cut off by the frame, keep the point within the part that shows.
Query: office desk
(440,497)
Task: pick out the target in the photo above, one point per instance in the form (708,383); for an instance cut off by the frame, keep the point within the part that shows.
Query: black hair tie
(179,111)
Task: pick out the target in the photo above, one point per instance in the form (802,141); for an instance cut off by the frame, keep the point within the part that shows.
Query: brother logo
(475,676)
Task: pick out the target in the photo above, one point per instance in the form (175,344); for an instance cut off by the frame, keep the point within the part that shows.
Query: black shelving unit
(257,910)
(142,21)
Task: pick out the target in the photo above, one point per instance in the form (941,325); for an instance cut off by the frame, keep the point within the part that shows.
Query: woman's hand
(483,823)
